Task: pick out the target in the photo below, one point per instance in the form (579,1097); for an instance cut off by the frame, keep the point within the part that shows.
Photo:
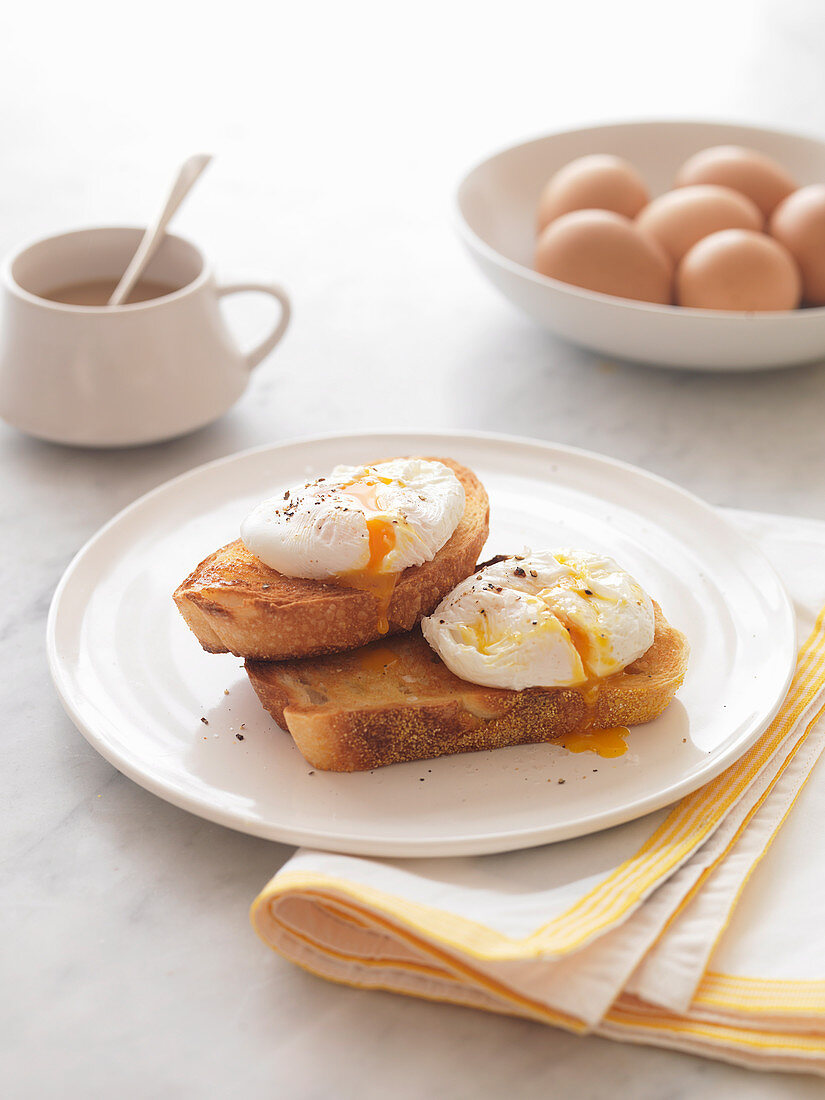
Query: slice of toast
(234,603)
(396,700)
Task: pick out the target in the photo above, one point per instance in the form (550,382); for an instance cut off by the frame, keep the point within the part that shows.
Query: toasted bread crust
(234,603)
(396,701)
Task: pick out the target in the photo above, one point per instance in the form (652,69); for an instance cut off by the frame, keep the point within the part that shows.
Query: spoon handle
(189,172)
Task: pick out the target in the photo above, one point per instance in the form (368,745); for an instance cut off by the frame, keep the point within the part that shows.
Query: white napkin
(646,932)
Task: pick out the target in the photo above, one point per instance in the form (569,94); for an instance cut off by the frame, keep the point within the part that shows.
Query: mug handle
(263,349)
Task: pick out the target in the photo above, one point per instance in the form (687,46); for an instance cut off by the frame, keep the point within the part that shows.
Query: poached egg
(542,620)
(360,526)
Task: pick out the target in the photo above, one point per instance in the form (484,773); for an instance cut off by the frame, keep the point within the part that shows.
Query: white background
(340,131)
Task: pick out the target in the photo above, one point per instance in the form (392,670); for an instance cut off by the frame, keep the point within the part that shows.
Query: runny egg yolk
(382,533)
(478,635)
(377,658)
(590,644)
(481,636)
(607,743)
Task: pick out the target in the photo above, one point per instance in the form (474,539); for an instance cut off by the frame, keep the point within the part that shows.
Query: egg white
(542,620)
(317,530)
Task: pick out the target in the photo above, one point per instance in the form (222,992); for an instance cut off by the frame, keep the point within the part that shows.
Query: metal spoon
(189,172)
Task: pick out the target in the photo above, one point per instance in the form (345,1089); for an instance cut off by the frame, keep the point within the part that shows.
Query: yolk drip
(381,530)
(606,742)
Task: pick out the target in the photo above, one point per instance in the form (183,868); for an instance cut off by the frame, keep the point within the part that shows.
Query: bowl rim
(474,241)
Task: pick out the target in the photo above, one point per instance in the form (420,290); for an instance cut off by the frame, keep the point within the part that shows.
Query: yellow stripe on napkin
(632,1022)
(761,995)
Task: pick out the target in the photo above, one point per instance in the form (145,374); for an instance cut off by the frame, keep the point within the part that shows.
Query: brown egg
(603,251)
(738,269)
(597,182)
(680,218)
(759,177)
(799,223)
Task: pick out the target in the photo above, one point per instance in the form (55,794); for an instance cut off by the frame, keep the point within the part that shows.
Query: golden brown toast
(234,603)
(396,700)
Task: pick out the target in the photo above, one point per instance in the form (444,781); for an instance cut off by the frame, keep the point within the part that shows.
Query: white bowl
(497,204)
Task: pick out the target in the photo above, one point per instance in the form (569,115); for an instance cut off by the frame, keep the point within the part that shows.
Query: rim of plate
(479,843)
(473,240)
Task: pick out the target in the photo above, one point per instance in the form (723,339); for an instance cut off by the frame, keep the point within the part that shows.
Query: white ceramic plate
(497,204)
(138,686)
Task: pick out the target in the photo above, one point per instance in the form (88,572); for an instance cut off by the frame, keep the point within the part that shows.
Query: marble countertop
(340,131)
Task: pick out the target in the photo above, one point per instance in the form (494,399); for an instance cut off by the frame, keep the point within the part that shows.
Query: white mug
(114,377)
